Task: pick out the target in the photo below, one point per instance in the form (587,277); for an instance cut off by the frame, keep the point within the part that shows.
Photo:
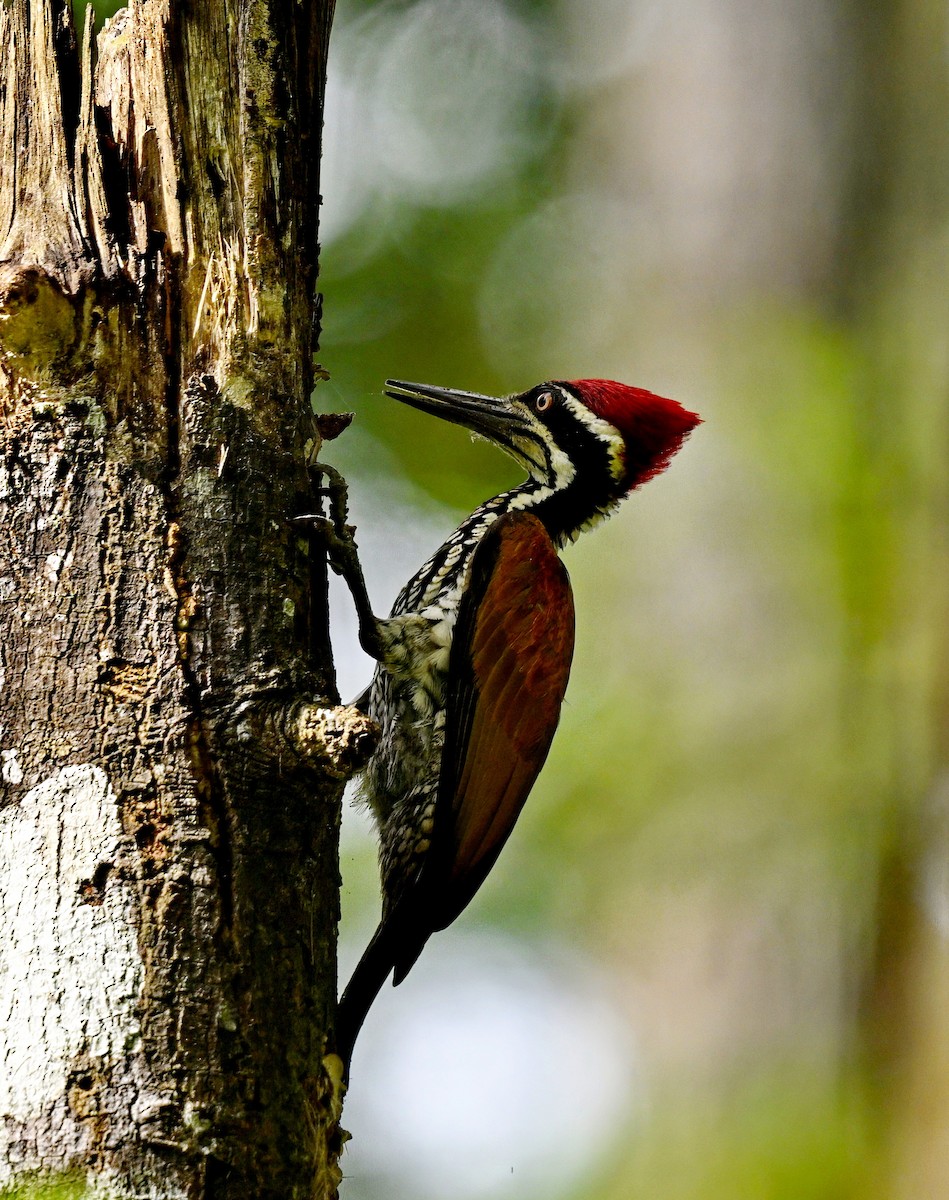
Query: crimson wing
(510,661)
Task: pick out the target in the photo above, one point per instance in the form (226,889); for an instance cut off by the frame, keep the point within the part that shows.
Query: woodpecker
(473,660)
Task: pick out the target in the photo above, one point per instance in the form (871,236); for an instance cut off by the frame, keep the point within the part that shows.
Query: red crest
(653,427)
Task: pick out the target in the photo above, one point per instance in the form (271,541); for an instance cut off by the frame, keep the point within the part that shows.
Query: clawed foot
(333,531)
(341,549)
(343,554)
(337,492)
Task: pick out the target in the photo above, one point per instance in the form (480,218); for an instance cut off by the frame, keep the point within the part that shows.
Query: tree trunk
(172,754)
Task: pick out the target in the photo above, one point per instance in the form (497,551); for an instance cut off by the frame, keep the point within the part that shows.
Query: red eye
(544,401)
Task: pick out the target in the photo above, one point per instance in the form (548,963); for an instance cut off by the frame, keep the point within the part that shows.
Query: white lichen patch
(70,972)
(55,563)
(10,769)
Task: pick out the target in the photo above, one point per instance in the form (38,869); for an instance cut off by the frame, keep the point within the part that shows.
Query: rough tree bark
(172,752)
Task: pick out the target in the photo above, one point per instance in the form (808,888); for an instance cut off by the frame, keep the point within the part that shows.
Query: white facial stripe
(562,468)
(603,430)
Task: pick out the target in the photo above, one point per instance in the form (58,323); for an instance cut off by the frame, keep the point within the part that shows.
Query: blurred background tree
(713,960)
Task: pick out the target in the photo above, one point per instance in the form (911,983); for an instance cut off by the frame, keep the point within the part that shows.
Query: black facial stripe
(593,489)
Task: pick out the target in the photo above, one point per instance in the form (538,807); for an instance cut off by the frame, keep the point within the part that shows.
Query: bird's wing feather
(510,661)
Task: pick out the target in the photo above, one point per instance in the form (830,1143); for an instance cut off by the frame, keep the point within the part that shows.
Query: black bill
(493,417)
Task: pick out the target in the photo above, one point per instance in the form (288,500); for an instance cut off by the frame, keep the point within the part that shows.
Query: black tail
(370,974)
(390,948)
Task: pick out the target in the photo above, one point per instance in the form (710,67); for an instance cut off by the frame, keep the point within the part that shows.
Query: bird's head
(586,443)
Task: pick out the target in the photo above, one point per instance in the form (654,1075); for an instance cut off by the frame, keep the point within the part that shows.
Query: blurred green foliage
(743,817)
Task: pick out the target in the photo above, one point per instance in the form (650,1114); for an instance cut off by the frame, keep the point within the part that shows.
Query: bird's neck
(564,511)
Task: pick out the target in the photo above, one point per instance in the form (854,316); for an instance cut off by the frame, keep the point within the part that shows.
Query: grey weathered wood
(171,755)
